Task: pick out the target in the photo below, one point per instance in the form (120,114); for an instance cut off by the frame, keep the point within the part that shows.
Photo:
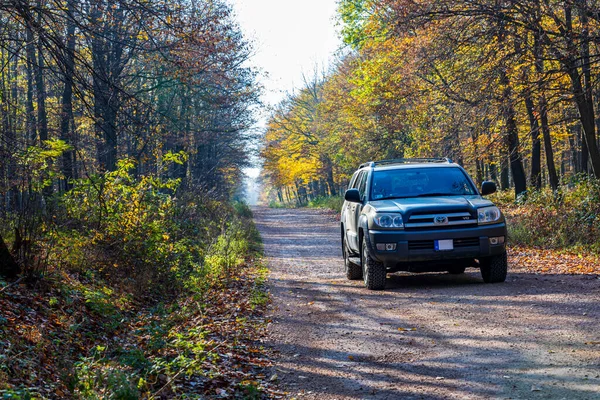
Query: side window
(356,181)
(363,184)
(353,180)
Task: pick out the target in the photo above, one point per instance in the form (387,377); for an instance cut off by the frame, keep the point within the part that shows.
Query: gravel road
(428,336)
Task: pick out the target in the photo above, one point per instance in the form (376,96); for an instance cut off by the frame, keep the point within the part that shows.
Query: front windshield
(420,182)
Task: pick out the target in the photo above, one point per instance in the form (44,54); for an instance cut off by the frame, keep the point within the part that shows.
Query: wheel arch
(362,231)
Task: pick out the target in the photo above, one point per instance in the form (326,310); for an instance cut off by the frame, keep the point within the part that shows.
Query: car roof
(407,163)
(412,165)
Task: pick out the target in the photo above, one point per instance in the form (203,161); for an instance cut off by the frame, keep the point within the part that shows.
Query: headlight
(388,220)
(488,215)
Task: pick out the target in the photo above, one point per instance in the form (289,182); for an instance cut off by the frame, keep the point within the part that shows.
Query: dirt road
(433,336)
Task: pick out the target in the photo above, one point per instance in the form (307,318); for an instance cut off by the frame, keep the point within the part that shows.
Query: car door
(353,213)
(347,209)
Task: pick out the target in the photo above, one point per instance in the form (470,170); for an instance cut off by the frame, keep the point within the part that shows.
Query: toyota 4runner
(420,215)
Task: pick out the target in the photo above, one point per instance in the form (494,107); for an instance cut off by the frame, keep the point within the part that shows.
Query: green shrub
(331,202)
(566,218)
(96,378)
(277,204)
(134,233)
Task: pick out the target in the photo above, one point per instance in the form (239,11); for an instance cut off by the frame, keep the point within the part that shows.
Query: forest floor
(72,338)
(428,336)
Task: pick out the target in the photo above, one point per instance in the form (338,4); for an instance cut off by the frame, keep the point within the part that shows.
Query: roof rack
(407,161)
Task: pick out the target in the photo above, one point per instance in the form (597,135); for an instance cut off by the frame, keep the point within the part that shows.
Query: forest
(508,89)
(125,127)
(128,266)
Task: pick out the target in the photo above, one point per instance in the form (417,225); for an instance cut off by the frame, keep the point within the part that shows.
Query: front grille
(429,245)
(420,245)
(446,219)
(467,242)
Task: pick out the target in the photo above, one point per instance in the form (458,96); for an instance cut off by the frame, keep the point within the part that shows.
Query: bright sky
(291,37)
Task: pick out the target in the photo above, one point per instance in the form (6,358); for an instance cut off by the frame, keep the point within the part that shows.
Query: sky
(291,37)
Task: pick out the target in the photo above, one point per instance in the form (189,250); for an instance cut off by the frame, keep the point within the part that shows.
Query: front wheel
(353,271)
(374,273)
(494,269)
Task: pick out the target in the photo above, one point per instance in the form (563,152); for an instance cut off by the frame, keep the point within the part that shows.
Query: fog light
(381,246)
(497,240)
(386,246)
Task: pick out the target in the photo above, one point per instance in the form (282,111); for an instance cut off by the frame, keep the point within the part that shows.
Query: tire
(353,271)
(457,270)
(374,273)
(494,269)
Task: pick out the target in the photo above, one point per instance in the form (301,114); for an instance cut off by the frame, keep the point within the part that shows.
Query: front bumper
(416,246)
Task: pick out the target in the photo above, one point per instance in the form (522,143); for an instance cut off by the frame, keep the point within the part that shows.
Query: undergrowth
(566,219)
(330,202)
(145,294)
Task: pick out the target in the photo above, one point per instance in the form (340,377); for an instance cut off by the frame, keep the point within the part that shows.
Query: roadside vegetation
(327,202)
(164,300)
(127,267)
(566,219)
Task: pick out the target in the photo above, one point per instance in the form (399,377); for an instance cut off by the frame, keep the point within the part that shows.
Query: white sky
(291,37)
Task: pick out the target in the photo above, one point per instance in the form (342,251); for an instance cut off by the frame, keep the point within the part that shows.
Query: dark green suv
(420,215)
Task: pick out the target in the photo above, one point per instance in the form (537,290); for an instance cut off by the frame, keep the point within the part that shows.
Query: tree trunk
(552,175)
(68,157)
(591,141)
(504,180)
(543,109)
(8,266)
(107,56)
(512,136)
(40,88)
(30,117)
(327,165)
(581,93)
(534,126)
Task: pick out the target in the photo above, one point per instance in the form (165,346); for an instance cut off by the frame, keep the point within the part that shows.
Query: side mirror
(353,196)
(488,187)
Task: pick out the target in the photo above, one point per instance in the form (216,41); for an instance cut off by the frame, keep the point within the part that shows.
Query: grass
(567,219)
(329,202)
(81,333)
(259,296)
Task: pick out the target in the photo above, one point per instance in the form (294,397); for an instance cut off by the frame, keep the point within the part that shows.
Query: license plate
(444,245)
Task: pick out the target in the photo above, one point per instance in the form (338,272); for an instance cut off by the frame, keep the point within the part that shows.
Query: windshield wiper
(434,194)
(394,197)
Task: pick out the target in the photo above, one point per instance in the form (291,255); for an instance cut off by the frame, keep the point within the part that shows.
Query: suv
(420,215)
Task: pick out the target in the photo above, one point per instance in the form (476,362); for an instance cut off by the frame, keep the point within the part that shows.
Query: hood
(435,204)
